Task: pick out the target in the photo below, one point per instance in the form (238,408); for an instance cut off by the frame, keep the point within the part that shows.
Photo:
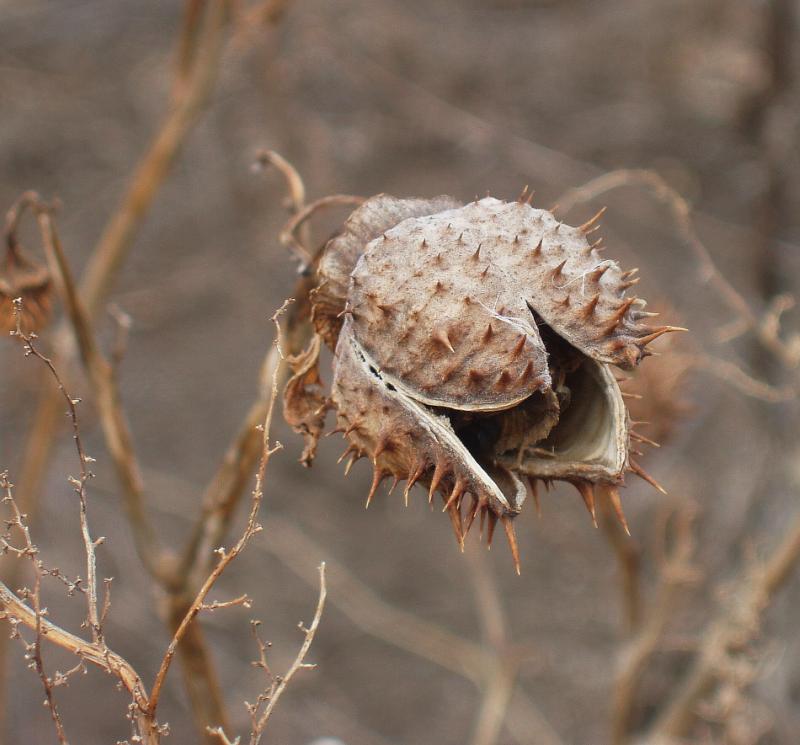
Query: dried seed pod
(472,352)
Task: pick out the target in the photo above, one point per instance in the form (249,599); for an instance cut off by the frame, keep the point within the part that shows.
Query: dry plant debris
(22,277)
(473,353)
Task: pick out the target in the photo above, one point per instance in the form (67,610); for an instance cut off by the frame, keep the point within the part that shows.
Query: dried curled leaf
(473,347)
(21,277)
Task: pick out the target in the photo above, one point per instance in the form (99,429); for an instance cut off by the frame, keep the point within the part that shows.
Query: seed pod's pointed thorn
(537,251)
(646,440)
(350,449)
(477,255)
(424,243)
(630,273)
(384,444)
(475,376)
(512,541)
(529,200)
(526,373)
(597,274)
(635,396)
(491,524)
(642,340)
(460,238)
(377,477)
(519,346)
(395,481)
(487,334)
(438,287)
(589,308)
(335,431)
(458,490)
(642,474)
(485,271)
(619,314)
(616,505)
(558,271)
(415,476)
(587,226)
(516,238)
(483,511)
(533,488)
(586,490)
(349,465)
(354,426)
(553,209)
(565,303)
(455,520)
(440,335)
(473,511)
(503,379)
(438,474)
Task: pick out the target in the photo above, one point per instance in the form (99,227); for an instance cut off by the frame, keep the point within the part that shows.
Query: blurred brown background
(413,98)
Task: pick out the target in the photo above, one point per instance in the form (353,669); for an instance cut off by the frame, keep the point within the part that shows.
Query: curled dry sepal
(473,352)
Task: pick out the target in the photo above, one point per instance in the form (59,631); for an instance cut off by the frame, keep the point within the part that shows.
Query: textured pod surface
(464,335)
(375,215)
(473,352)
(556,269)
(404,438)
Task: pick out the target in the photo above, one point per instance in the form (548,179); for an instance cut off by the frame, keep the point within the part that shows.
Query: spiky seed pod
(473,347)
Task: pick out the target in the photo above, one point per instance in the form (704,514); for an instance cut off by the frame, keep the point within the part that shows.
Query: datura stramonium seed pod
(473,353)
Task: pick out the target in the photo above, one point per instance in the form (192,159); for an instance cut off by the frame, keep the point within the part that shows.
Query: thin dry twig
(104,383)
(765,329)
(34,618)
(736,623)
(406,631)
(79,484)
(33,650)
(288,236)
(277,684)
(674,555)
(186,104)
(628,559)
(226,557)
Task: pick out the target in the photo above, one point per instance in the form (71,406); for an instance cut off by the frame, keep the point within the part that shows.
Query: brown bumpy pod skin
(473,352)
(375,215)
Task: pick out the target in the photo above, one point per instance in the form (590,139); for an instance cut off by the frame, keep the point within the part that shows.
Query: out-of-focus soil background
(410,98)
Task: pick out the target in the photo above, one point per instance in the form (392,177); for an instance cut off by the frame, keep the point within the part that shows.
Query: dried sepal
(304,403)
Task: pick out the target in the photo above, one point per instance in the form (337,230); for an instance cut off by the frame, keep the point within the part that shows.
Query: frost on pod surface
(473,347)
